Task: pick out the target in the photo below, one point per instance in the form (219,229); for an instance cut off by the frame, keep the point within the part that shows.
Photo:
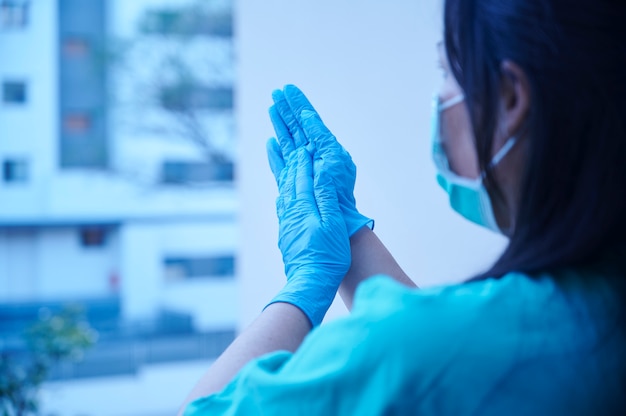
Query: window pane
(93,237)
(187,21)
(13,14)
(183,172)
(178,268)
(187,97)
(15,170)
(75,47)
(77,123)
(14,92)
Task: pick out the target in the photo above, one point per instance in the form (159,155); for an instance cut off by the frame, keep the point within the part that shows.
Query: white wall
(18,265)
(51,264)
(69,270)
(211,301)
(144,289)
(140,272)
(370,68)
(30,130)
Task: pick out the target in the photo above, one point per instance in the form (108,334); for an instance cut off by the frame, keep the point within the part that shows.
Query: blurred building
(110,201)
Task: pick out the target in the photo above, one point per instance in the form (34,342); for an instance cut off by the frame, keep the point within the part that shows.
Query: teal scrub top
(508,346)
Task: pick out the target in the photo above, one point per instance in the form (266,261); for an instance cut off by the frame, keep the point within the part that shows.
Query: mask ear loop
(503,151)
(451,102)
(500,155)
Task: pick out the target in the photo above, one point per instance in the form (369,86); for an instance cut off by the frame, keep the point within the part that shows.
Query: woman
(529,138)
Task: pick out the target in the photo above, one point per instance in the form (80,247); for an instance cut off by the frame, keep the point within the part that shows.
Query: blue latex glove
(297,124)
(313,238)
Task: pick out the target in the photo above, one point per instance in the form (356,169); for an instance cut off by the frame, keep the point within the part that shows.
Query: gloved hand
(296,124)
(312,238)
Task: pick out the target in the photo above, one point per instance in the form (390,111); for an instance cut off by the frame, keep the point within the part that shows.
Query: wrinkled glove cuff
(357,221)
(313,303)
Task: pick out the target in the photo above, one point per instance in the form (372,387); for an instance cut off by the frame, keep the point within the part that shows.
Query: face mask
(468,197)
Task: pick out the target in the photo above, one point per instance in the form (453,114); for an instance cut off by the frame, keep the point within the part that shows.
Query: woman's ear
(514,102)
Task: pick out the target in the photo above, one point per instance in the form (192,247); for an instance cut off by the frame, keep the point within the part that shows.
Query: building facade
(92,210)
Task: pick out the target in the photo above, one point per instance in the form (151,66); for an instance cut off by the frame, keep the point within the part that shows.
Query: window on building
(187,21)
(14,13)
(83,141)
(15,170)
(76,123)
(93,236)
(14,92)
(190,96)
(75,47)
(186,172)
(181,268)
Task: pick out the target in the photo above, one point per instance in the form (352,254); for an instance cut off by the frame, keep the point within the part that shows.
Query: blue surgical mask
(468,197)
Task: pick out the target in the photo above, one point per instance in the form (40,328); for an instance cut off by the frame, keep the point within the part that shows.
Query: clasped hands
(316,207)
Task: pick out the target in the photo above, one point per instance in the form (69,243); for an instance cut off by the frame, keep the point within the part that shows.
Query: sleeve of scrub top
(386,355)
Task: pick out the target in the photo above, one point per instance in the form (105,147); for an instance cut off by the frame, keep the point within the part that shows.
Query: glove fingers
(280,207)
(283,134)
(326,195)
(317,132)
(275,158)
(328,148)
(287,181)
(304,175)
(297,101)
(289,119)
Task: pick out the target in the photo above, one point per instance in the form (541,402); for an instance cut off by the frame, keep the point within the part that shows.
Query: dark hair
(573,52)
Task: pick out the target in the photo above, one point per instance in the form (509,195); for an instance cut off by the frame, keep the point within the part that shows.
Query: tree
(174,80)
(54,338)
